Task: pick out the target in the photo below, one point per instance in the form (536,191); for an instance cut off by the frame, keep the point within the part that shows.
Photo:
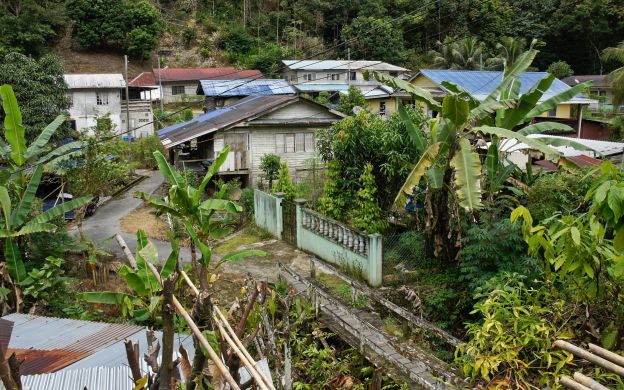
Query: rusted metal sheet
(6,328)
(49,344)
(37,361)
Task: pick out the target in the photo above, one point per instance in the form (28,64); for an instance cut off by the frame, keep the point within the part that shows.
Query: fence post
(300,203)
(279,216)
(375,256)
(257,212)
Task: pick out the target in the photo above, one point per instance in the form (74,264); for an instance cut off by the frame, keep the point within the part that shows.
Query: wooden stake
(126,251)
(132,354)
(605,353)
(589,382)
(572,384)
(240,346)
(590,357)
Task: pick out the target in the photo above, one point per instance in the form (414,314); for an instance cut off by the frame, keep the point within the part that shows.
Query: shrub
(367,215)
(333,203)
(493,247)
(188,36)
(142,152)
(560,69)
(561,192)
(270,164)
(247,201)
(512,345)
(284,183)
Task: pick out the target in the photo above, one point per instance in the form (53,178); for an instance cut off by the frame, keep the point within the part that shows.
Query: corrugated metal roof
(95,80)
(222,118)
(49,344)
(598,79)
(603,148)
(144,79)
(341,65)
(481,83)
(94,378)
(320,87)
(196,74)
(261,87)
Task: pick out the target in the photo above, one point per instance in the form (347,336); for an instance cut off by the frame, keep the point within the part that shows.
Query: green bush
(270,165)
(247,201)
(188,36)
(366,215)
(512,345)
(284,183)
(406,247)
(493,247)
(558,192)
(141,152)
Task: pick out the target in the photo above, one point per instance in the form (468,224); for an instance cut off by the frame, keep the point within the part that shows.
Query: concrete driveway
(105,223)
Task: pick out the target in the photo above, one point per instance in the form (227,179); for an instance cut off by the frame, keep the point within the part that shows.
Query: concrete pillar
(300,204)
(279,216)
(375,257)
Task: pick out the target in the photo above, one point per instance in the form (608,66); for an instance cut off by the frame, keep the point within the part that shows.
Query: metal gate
(289,221)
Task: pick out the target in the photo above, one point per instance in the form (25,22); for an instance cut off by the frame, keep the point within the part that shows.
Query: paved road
(105,223)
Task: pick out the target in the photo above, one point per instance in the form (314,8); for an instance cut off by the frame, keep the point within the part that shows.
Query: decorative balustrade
(333,230)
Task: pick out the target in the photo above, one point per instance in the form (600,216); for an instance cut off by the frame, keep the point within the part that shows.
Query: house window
(294,142)
(101,98)
(382,108)
(177,89)
(309,142)
(352,75)
(553,112)
(309,77)
(333,76)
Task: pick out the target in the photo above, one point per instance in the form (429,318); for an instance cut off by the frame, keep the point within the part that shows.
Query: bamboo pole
(126,251)
(211,353)
(590,357)
(243,349)
(606,354)
(572,384)
(241,355)
(589,382)
(236,343)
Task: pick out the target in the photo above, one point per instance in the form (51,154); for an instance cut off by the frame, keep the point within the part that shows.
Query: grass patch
(343,290)
(249,235)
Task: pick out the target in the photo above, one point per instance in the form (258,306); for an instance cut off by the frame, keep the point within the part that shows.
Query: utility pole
(348,65)
(127,96)
(160,86)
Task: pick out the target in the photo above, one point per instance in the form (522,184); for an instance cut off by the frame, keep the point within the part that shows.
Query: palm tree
(616,54)
(449,164)
(466,53)
(508,50)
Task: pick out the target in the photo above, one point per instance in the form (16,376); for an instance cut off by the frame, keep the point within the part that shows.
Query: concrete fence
(324,237)
(268,212)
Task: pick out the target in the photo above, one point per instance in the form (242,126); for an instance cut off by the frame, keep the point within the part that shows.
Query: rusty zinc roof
(48,344)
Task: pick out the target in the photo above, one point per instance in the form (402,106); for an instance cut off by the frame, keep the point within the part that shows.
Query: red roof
(193,74)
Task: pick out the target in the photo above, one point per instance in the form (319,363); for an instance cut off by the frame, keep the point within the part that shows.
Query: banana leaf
(214,168)
(426,161)
(168,171)
(542,127)
(44,137)
(13,127)
(554,101)
(60,209)
(18,216)
(417,135)
(504,133)
(16,267)
(467,176)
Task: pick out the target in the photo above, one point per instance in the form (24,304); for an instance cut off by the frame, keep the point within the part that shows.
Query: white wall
(297,76)
(85,111)
(190,91)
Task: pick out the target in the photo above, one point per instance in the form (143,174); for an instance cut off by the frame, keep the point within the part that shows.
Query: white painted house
(284,125)
(94,96)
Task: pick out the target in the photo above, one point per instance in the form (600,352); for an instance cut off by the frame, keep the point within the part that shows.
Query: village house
(224,93)
(601,89)
(254,126)
(481,83)
(99,96)
(180,84)
(315,76)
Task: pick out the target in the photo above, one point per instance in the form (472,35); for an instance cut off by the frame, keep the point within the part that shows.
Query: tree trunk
(168,311)
(442,237)
(5,372)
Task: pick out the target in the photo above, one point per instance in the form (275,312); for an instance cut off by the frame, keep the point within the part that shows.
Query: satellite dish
(357,110)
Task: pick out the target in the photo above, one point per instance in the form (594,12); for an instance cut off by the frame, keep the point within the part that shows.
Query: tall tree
(466,53)
(616,78)
(507,52)
(40,89)
(30,26)
(374,39)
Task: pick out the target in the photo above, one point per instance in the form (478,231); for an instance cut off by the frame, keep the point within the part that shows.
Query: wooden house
(223,93)
(284,125)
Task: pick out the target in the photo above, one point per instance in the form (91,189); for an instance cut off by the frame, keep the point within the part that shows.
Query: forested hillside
(259,33)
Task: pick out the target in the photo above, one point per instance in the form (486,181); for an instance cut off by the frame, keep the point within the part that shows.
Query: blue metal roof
(199,119)
(481,83)
(260,87)
(320,87)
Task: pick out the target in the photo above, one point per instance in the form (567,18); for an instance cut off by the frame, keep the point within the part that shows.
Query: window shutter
(289,143)
(279,143)
(309,142)
(299,142)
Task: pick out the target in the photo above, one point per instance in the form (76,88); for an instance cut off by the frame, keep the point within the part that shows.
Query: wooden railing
(333,230)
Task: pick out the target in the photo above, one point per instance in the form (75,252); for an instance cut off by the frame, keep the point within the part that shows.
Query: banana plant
(27,165)
(144,303)
(450,164)
(13,148)
(185,203)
